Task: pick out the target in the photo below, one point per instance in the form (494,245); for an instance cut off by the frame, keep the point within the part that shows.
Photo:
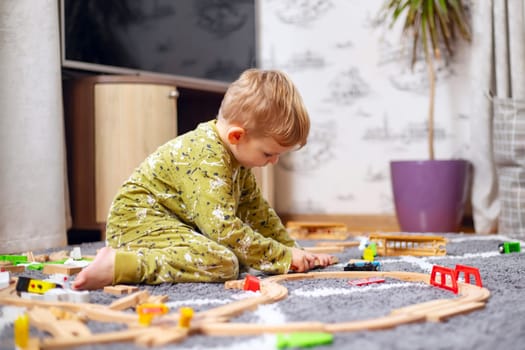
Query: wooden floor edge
(355,223)
(361,223)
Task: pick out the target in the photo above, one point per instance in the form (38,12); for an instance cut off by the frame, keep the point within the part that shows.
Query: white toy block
(31,296)
(56,294)
(4,279)
(59,278)
(76,254)
(77,296)
(363,242)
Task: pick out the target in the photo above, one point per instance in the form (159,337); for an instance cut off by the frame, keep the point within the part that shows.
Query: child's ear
(235,134)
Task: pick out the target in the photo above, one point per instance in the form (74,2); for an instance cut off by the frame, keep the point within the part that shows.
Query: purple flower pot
(430,195)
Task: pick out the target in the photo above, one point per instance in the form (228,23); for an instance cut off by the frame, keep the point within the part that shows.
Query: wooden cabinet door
(131,121)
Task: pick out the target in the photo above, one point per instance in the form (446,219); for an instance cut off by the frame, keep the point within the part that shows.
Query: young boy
(192,211)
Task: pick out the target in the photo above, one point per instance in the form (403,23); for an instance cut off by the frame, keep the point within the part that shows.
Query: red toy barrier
(443,272)
(469,271)
(454,275)
(251,283)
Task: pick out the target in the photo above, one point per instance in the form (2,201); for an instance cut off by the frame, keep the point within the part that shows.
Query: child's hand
(303,261)
(324,260)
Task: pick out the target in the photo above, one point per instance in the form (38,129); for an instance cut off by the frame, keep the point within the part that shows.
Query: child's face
(258,151)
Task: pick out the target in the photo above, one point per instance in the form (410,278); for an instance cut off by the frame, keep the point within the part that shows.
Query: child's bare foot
(99,273)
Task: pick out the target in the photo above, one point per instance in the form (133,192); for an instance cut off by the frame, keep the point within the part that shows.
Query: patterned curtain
(33,187)
(498,128)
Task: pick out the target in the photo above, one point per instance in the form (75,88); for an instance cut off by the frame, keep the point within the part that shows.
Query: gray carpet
(501,324)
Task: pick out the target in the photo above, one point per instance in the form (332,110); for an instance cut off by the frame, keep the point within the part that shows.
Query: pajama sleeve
(255,210)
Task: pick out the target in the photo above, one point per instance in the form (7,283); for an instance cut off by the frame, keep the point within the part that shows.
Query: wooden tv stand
(113,122)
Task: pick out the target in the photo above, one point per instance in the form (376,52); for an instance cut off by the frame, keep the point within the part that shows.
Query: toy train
(509,247)
(27,284)
(363,266)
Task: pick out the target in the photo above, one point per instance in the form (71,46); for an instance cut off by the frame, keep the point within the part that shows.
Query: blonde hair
(267,104)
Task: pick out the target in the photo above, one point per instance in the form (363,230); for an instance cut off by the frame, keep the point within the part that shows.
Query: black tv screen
(213,40)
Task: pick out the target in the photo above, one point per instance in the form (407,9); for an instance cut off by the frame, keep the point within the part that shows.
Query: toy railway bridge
(417,245)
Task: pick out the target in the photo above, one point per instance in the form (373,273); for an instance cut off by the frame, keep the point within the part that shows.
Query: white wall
(366,105)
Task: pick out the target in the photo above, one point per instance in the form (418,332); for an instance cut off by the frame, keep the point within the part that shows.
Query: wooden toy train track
(71,333)
(317,230)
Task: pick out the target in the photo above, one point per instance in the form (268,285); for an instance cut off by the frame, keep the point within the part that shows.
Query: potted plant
(429,195)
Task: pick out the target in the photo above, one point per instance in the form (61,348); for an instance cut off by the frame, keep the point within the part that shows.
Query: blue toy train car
(363,266)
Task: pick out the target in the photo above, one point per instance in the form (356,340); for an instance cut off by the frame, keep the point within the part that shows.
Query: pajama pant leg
(190,258)
(173,254)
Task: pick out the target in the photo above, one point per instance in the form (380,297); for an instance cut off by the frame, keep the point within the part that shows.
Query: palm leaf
(438,18)
(431,24)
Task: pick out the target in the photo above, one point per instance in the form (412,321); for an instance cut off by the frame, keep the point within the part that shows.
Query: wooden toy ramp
(215,321)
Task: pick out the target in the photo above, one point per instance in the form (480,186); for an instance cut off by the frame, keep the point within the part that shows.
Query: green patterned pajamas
(191,213)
